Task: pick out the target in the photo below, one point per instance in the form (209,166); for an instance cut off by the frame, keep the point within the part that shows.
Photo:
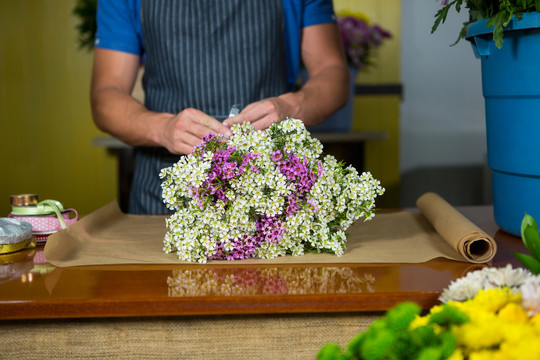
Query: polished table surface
(30,288)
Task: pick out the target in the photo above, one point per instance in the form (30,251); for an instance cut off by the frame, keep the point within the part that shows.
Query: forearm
(120,115)
(323,94)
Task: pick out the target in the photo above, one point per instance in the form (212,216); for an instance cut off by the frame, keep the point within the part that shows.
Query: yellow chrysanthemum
(488,355)
(526,349)
(457,355)
(419,321)
(515,333)
(477,314)
(514,313)
(535,321)
(493,299)
(479,335)
(499,327)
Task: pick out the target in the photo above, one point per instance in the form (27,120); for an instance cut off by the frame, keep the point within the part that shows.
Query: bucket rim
(530,20)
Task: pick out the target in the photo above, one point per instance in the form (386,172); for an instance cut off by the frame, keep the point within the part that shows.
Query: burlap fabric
(286,336)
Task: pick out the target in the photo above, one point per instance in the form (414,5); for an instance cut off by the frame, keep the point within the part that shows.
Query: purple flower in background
(360,39)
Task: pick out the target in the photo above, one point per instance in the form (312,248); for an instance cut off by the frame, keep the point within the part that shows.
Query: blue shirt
(119,27)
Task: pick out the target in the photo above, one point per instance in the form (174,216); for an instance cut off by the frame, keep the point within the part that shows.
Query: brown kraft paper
(109,237)
(468,239)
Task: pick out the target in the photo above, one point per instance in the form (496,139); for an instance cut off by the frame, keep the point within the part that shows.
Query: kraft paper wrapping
(110,237)
(468,239)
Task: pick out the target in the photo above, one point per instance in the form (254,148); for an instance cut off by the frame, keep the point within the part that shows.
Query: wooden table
(43,291)
(269,297)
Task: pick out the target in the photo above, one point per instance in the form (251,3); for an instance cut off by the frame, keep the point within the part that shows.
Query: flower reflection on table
(268,281)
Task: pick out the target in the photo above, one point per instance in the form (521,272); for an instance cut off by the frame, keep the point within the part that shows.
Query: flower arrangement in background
(493,313)
(268,281)
(262,194)
(360,39)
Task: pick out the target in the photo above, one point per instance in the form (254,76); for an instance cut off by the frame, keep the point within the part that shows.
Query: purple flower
(360,39)
(277,155)
(270,229)
(244,247)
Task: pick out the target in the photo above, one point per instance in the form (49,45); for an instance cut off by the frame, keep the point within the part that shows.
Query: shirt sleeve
(118,26)
(318,12)
(299,14)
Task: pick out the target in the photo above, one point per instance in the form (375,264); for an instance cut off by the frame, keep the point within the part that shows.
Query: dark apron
(208,55)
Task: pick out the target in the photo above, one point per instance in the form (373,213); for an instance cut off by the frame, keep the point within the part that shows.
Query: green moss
(430,353)
(377,344)
(391,337)
(400,317)
(448,315)
(330,352)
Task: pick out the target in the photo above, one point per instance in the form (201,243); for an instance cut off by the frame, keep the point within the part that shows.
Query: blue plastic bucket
(511,89)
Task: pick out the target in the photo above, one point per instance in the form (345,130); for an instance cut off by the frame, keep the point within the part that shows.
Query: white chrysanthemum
(530,295)
(460,291)
(506,276)
(487,278)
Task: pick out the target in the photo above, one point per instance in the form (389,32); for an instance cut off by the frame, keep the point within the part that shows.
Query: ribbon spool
(15,235)
(24,199)
(45,207)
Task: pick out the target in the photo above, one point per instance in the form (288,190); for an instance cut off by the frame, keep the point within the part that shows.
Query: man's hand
(262,114)
(325,92)
(183,131)
(115,111)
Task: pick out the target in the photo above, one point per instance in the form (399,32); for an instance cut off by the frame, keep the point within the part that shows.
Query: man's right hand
(116,112)
(185,130)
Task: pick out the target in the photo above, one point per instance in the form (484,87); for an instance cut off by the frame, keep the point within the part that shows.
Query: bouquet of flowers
(360,39)
(493,313)
(262,194)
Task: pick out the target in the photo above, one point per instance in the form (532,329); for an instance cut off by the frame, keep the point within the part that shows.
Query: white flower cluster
(262,194)
(518,280)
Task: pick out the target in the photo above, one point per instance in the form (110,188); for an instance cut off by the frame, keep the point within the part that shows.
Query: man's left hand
(262,114)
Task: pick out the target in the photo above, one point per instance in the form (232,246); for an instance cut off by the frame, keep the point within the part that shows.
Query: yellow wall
(380,112)
(46,128)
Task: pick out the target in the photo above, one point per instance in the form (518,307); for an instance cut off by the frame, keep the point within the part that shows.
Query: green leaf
(529,262)
(462,33)
(498,35)
(530,236)
(440,17)
(527,221)
(537,5)
(509,18)
(477,15)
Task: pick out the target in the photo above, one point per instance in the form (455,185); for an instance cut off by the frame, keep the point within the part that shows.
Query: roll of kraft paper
(468,239)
